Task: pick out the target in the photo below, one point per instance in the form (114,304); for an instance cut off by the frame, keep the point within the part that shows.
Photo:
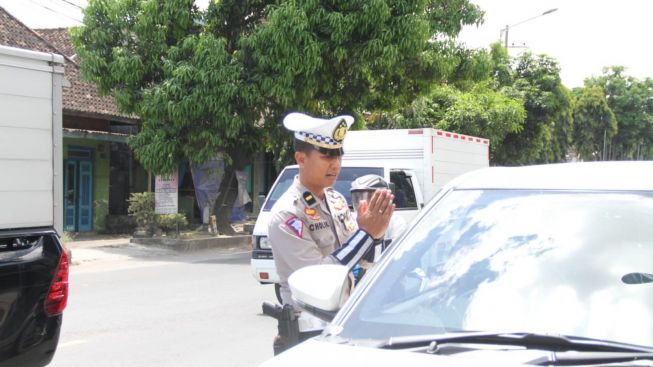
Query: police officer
(311,223)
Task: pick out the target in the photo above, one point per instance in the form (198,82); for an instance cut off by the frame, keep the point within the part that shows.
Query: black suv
(33,295)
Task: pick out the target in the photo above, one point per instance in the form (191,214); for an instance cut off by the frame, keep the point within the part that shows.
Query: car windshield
(554,262)
(343,184)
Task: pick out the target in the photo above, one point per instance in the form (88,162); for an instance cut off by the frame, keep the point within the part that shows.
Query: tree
(546,133)
(594,123)
(474,101)
(631,100)
(221,80)
(478,112)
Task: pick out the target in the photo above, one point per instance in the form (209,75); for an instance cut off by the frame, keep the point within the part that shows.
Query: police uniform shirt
(305,230)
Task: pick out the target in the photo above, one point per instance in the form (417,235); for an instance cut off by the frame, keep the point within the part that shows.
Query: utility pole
(504,31)
(605,132)
(506,35)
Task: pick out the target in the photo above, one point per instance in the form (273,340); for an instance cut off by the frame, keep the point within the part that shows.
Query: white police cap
(323,133)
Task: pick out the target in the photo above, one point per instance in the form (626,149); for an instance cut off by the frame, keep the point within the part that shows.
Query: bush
(170,222)
(141,207)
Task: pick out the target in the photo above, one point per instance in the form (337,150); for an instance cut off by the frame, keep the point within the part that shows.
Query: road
(159,308)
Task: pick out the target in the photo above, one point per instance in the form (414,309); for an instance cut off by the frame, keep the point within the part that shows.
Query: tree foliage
(480,111)
(220,80)
(473,101)
(631,100)
(546,132)
(594,123)
(519,104)
(204,82)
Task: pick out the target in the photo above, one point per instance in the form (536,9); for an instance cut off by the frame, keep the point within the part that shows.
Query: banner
(166,194)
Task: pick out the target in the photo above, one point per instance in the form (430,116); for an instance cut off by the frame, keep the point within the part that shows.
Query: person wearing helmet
(362,189)
(311,223)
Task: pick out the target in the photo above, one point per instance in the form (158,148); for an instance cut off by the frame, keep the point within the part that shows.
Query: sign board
(165,194)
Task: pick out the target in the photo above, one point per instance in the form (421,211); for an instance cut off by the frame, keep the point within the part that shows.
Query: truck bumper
(264,271)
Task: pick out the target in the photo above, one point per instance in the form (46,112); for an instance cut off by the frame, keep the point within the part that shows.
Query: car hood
(318,353)
(261,225)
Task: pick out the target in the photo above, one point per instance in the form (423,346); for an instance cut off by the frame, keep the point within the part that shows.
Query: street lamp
(504,31)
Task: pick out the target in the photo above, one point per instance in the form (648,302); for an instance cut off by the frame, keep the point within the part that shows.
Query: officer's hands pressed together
(374,217)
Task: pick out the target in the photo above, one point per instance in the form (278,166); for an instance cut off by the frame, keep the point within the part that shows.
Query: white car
(539,265)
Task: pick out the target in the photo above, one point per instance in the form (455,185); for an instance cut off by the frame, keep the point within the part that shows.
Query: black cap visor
(337,152)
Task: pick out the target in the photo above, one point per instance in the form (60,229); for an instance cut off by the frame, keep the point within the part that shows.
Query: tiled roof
(80,98)
(15,34)
(58,37)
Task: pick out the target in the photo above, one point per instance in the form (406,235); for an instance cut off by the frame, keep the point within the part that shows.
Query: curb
(183,245)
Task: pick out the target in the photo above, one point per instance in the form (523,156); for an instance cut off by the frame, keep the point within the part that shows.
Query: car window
(531,261)
(343,184)
(282,184)
(403,191)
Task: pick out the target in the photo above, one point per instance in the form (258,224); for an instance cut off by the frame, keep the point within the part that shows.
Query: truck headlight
(264,243)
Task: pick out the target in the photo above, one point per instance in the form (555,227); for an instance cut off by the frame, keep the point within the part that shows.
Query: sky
(583,35)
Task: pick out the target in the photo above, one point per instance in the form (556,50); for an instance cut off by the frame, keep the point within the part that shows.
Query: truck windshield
(343,184)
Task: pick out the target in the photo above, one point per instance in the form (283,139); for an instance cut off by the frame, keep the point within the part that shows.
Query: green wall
(101,162)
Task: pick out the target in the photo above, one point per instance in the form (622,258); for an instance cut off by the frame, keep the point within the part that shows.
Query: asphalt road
(156,308)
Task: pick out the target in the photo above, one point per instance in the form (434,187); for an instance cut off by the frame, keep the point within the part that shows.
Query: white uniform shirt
(304,230)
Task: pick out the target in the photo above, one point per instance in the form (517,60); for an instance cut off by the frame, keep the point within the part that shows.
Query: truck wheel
(277,292)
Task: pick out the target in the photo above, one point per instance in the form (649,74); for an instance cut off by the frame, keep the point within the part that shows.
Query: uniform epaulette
(309,199)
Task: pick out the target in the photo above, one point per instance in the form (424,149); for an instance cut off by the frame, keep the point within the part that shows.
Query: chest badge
(339,204)
(312,213)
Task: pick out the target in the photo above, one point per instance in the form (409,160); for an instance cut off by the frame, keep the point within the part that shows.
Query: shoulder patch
(295,225)
(309,198)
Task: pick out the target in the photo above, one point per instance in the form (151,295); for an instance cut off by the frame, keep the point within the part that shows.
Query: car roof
(622,175)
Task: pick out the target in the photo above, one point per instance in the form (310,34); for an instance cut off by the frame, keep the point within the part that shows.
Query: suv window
(403,191)
(343,184)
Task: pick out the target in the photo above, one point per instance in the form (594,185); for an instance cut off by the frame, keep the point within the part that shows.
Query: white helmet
(363,187)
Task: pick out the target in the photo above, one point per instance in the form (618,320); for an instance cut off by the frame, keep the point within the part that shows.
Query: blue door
(78,190)
(85,196)
(70,196)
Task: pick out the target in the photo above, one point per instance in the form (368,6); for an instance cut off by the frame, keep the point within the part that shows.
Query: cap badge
(340,131)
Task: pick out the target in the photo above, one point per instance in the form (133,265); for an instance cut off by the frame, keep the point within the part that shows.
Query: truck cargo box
(30,139)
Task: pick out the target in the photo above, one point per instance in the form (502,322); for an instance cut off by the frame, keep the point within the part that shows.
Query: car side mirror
(321,290)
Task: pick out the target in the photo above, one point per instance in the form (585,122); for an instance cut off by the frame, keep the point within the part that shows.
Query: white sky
(583,35)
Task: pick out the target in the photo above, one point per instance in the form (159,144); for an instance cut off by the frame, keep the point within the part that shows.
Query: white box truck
(33,264)
(417,161)
(31,161)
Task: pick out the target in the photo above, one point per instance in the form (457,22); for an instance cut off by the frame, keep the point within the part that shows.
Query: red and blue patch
(295,225)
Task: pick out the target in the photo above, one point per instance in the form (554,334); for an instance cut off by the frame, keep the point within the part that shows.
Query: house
(99,168)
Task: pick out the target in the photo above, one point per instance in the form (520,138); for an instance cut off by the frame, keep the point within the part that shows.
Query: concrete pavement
(87,249)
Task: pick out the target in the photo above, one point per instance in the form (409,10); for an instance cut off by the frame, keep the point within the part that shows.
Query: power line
(56,12)
(73,4)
